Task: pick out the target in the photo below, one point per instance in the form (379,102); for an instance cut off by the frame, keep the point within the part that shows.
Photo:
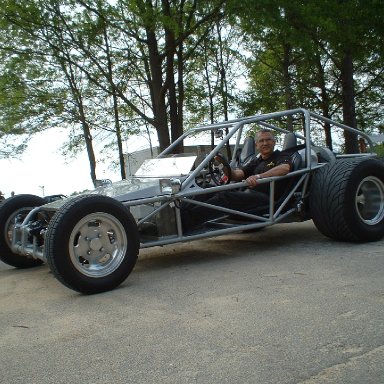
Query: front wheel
(92,244)
(11,210)
(347,200)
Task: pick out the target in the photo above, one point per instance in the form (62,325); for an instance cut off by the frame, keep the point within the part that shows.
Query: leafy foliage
(108,70)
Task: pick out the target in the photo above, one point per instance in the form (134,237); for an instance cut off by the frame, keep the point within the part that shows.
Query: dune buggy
(91,241)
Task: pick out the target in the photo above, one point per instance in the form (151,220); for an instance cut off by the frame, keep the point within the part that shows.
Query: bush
(379,149)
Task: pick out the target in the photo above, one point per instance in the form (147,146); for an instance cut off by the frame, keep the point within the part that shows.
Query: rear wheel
(12,209)
(92,244)
(347,200)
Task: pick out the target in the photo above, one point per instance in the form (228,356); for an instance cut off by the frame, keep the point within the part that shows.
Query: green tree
(56,95)
(166,35)
(310,54)
(350,34)
(28,104)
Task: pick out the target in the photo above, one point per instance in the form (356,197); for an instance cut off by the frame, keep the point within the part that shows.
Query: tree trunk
(115,102)
(348,102)
(170,84)
(180,87)
(118,138)
(77,96)
(158,91)
(287,83)
(88,141)
(324,103)
(90,151)
(223,85)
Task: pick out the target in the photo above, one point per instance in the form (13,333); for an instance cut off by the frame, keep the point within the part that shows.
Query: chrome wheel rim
(97,245)
(370,200)
(11,222)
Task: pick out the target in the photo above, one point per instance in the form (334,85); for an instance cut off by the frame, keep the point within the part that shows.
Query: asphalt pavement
(283,305)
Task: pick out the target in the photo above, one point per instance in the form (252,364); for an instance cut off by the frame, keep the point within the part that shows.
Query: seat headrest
(248,148)
(290,141)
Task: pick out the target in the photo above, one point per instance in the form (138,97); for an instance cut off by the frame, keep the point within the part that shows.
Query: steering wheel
(220,170)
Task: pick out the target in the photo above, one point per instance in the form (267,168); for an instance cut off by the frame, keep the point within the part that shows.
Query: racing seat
(247,152)
(325,155)
(290,146)
(248,149)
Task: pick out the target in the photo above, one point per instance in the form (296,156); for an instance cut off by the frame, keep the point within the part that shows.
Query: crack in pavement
(332,373)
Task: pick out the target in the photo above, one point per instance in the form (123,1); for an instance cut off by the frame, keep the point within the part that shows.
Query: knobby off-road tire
(92,244)
(9,209)
(347,200)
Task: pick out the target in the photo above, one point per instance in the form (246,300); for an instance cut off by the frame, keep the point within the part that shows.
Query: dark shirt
(259,165)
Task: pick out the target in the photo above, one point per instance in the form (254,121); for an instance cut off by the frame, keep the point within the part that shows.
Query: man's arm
(237,174)
(279,170)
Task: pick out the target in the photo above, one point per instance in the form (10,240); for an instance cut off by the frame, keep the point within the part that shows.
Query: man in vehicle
(268,163)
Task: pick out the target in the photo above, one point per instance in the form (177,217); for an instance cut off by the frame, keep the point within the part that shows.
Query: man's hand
(252,180)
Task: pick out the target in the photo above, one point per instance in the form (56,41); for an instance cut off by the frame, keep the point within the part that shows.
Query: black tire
(9,209)
(347,200)
(92,244)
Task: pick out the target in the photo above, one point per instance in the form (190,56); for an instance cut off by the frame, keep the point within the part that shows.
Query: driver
(269,163)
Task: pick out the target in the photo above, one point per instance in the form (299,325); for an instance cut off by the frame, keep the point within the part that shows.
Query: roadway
(283,305)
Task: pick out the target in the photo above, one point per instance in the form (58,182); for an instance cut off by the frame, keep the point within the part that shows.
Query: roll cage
(291,207)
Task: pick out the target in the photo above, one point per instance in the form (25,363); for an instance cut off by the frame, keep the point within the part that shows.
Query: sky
(42,170)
